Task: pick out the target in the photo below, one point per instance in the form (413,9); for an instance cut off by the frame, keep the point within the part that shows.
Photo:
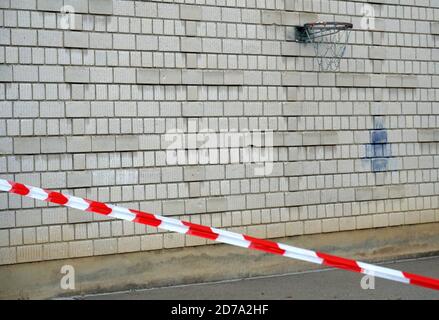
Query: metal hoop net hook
(329,40)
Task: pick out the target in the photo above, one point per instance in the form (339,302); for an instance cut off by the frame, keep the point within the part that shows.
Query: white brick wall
(85,110)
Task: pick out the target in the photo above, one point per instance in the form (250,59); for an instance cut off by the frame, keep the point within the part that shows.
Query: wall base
(41,280)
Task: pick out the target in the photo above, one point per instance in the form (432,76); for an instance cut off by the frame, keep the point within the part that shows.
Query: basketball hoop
(329,40)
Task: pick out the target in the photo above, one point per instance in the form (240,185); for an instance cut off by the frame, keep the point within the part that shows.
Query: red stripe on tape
(339,262)
(98,207)
(264,245)
(146,218)
(200,231)
(422,281)
(56,197)
(19,188)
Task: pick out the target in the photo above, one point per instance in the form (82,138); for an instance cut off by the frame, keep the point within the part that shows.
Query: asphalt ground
(317,284)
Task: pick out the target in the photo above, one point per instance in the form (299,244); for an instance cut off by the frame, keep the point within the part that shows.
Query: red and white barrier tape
(219,235)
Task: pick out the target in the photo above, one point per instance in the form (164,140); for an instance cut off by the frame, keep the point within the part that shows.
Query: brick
(51,74)
(49,5)
(231,15)
(234,77)
(101,75)
(232,46)
(103,143)
(255,201)
(188,12)
(434,28)
(345,80)
(76,39)
(168,10)
(81,6)
(172,174)
(27,145)
(311,138)
(271,17)
(103,178)
(251,16)
(126,143)
(294,228)
(8,256)
(125,109)
(380,220)
(49,38)
(77,74)
(4,238)
(290,18)
(24,37)
(193,206)
(53,145)
(308,18)
(213,77)
(27,218)
(276,230)
(190,44)
(79,179)
(124,75)
(362,194)
(330,225)
(259,231)
(192,109)
(396,218)
(428,135)
(410,81)
(194,173)
(101,40)
(124,41)
(378,53)
(78,144)
(192,28)
(192,77)
(105,246)
(53,180)
(291,79)
(5,73)
(170,76)
(329,138)
(128,244)
(56,215)
(312,226)
(25,73)
(347,223)
(104,7)
(148,76)
(54,251)
(274,200)
(29,253)
(173,240)
(77,109)
(149,142)
(81,248)
(216,204)
(151,242)
(173,207)
(147,42)
(146,9)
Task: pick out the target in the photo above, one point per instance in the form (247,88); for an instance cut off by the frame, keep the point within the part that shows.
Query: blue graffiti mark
(379,136)
(379,150)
